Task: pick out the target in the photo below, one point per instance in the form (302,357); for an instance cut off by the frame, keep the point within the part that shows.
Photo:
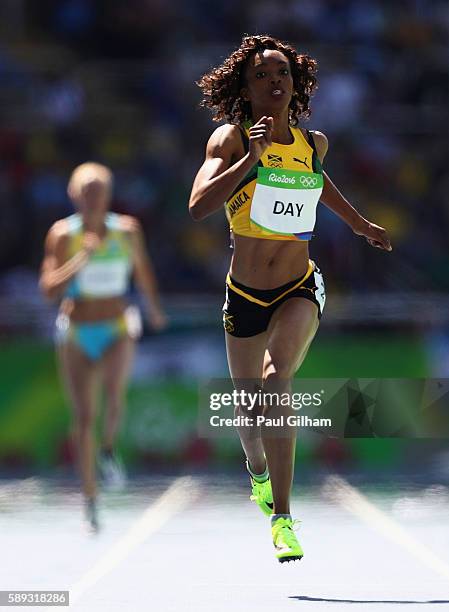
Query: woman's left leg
(290,333)
(116,364)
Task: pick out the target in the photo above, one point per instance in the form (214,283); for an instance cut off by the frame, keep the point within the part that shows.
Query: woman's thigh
(245,355)
(116,364)
(290,333)
(245,360)
(80,376)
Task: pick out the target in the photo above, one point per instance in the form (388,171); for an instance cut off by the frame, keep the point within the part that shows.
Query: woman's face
(268,82)
(93,198)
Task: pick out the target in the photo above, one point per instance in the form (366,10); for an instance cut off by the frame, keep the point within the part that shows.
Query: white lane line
(180,494)
(354,501)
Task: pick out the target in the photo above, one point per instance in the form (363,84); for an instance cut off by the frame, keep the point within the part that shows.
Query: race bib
(104,278)
(285,201)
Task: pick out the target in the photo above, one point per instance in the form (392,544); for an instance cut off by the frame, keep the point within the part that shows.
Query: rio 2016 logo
(306,181)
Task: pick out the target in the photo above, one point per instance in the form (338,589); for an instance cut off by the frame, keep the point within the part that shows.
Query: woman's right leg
(79,374)
(290,333)
(245,360)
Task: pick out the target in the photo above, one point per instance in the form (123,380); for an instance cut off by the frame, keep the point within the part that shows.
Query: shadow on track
(367,601)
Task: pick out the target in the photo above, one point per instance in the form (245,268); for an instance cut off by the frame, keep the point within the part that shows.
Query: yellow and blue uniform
(277,200)
(106,275)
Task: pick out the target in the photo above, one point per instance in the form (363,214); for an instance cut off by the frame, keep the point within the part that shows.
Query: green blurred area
(161,420)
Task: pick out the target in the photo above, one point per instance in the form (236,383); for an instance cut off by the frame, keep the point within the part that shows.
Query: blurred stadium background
(113,81)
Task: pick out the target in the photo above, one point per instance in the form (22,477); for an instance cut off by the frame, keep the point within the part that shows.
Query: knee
(113,393)
(277,372)
(252,409)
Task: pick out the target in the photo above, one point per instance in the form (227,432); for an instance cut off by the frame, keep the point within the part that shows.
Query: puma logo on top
(301,162)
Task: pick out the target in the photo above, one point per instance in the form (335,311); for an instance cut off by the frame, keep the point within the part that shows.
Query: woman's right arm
(56,271)
(217,179)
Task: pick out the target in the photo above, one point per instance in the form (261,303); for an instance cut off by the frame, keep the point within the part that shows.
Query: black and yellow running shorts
(247,311)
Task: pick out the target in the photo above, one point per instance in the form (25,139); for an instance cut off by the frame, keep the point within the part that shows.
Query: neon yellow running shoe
(285,541)
(262,495)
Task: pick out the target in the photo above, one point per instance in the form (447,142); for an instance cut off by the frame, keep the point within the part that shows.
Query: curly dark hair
(221,86)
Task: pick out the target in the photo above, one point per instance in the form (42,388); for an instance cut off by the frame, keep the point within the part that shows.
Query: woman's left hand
(158,320)
(375,235)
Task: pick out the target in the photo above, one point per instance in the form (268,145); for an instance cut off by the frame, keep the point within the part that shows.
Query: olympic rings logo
(308,181)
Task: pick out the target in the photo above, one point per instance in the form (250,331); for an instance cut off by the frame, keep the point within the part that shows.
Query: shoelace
(288,528)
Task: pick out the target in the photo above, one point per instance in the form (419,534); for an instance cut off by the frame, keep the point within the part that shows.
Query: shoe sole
(288,559)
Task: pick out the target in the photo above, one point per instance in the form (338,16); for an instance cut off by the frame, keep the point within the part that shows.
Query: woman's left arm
(144,274)
(335,201)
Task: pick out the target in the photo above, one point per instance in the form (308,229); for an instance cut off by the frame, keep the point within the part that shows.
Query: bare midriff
(267,264)
(85,311)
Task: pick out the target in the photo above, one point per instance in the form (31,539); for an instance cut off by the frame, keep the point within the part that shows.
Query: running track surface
(196,543)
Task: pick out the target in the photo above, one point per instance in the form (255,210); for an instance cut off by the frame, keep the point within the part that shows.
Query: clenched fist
(260,137)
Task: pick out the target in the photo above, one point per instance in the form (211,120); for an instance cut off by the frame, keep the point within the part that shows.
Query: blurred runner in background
(89,259)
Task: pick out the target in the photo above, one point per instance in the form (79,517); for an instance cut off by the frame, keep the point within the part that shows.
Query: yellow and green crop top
(277,199)
(107,273)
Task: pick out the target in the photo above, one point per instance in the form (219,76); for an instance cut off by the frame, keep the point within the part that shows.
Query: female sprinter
(89,257)
(268,171)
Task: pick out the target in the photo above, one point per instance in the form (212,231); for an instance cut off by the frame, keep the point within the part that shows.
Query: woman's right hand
(91,242)
(260,137)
